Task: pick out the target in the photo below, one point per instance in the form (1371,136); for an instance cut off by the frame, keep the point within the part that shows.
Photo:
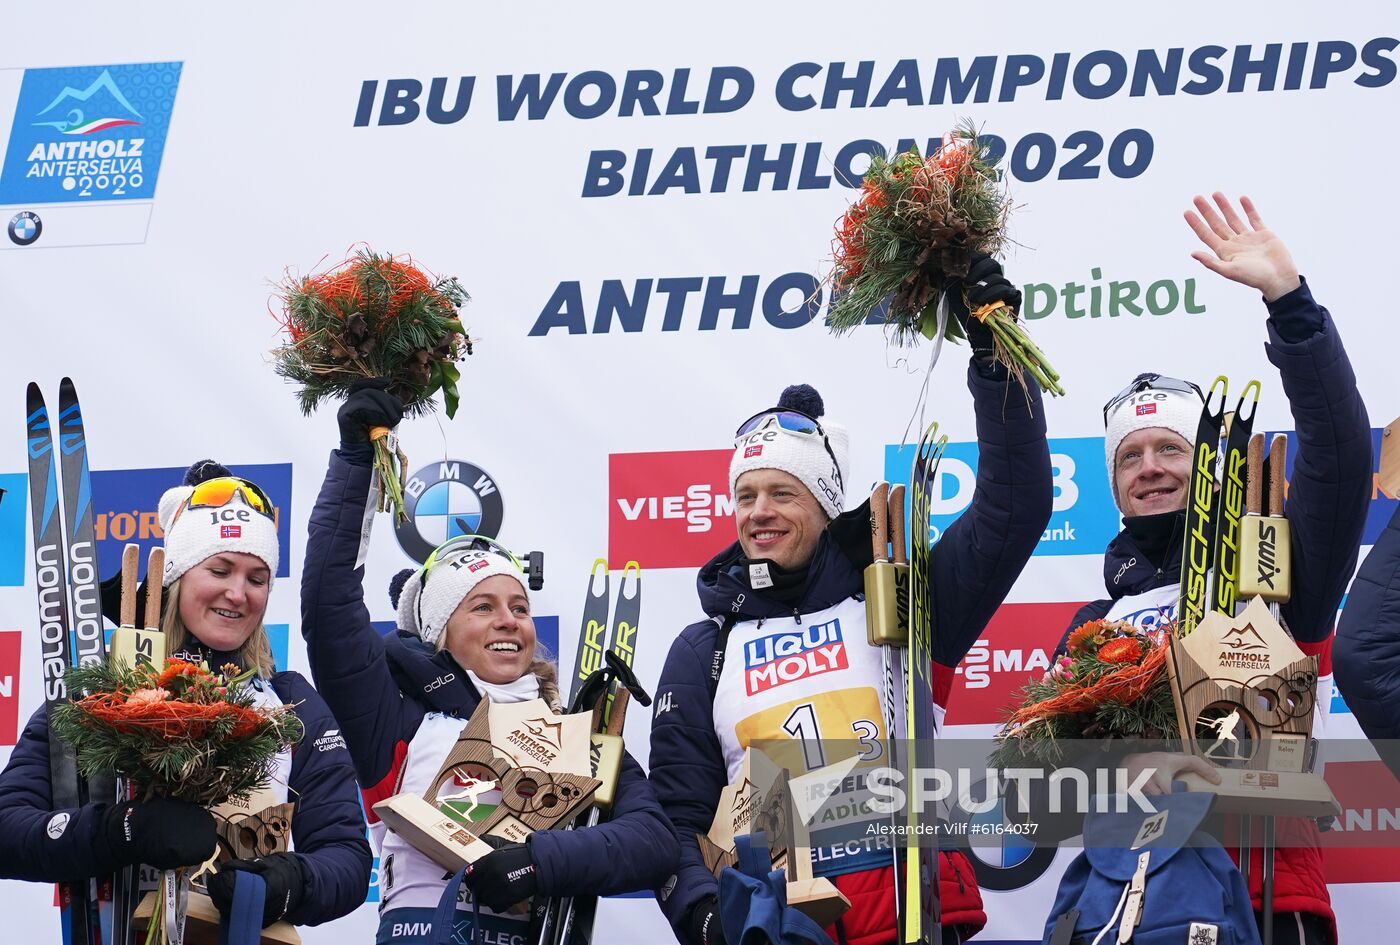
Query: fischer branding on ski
(1228,534)
(1201,504)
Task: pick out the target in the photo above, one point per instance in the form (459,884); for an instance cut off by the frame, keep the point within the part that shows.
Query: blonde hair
(254,654)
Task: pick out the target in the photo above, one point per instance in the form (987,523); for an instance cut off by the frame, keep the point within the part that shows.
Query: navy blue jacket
(1327,493)
(1366,655)
(973,566)
(328,831)
(635,849)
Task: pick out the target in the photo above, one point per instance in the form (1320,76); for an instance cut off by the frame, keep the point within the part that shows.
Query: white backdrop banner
(641,202)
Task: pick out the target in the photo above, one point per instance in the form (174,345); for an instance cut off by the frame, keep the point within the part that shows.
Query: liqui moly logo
(798,654)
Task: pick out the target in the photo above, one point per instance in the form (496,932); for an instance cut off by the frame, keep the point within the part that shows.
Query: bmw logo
(1002,859)
(444,500)
(25,227)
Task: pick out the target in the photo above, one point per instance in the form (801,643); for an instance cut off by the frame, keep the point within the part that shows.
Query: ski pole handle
(155,573)
(1278,468)
(1254,476)
(879,521)
(896,512)
(131,561)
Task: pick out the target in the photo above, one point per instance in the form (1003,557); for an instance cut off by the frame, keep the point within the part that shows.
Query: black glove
(284,878)
(705,927)
(162,832)
(504,876)
(369,405)
(984,284)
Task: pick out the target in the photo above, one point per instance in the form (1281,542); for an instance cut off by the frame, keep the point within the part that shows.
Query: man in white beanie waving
(1149,429)
(783,653)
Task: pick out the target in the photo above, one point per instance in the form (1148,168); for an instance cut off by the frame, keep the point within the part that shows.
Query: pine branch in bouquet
(911,236)
(374,316)
(182,732)
(1111,682)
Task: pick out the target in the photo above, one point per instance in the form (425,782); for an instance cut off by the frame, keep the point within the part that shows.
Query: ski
(84,593)
(577,913)
(56,646)
(1229,527)
(920,912)
(1201,505)
(592,635)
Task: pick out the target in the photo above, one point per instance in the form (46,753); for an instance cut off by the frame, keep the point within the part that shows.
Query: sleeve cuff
(1295,316)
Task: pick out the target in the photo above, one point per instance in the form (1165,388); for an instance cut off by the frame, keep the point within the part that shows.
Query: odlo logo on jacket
(798,654)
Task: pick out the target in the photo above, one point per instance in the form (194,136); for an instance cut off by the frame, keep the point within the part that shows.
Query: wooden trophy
(760,801)
(537,759)
(1389,476)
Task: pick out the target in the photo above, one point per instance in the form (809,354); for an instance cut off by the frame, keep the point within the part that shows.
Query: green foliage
(375,316)
(205,760)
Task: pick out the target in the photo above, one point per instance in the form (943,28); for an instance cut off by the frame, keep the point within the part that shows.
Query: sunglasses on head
(216,493)
(790,421)
(1149,382)
(461,545)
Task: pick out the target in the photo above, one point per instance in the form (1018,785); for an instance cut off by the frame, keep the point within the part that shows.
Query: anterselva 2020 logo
(89,133)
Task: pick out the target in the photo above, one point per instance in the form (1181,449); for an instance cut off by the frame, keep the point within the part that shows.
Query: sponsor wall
(643,219)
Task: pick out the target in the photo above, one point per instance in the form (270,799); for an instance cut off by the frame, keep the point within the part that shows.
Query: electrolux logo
(669,510)
(446,499)
(1083,519)
(87,133)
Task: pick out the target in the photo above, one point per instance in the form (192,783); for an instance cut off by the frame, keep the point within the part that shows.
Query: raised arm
(1331,481)
(979,557)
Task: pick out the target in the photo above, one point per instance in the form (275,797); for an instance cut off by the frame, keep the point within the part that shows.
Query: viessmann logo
(782,658)
(669,510)
(1015,647)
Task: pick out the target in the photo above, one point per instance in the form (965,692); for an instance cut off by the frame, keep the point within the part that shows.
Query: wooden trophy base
(202,922)
(818,899)
(1268,793)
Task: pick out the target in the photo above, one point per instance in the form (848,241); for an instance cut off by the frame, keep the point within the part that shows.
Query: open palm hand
(1250,254)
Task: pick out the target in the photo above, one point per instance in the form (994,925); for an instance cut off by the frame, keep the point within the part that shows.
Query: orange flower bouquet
(1111,682)
(180,731)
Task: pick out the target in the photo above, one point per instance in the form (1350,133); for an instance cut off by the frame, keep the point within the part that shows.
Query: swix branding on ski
(798,654)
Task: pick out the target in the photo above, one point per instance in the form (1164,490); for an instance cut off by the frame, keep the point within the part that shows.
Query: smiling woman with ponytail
(465,632)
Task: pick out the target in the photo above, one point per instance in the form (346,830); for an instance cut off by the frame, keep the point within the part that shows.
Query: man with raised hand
(1149,455)
(795,573)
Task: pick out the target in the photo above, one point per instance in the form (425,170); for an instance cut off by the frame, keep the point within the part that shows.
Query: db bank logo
(89,133)
(783,658)
(444,500)
(125,503)
(669,510)
(1382,506)
(9,686)
(1015,647)
(1084,518)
